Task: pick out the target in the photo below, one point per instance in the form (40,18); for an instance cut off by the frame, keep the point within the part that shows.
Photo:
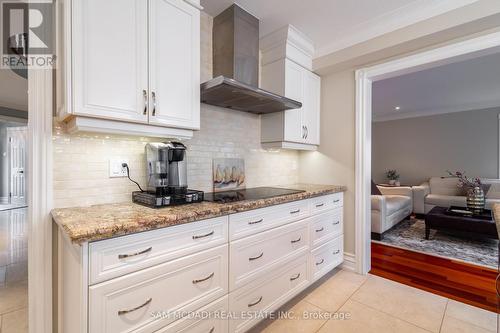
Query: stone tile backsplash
(81,161)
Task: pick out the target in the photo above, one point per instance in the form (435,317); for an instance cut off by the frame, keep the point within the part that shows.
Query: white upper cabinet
(110,59)
(130,66)
(174,64)
(286,62)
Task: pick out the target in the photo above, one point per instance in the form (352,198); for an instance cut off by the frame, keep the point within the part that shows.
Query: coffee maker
(166,172)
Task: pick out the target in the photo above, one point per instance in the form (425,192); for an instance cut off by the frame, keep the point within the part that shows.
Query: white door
(311,111)
(17,156)
(294,89)
(174,28)
(110,59)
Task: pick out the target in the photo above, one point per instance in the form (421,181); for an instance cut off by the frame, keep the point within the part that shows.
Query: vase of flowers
(474,190)
(392,176)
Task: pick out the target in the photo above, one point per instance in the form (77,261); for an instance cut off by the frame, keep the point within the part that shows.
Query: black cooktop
(249,194)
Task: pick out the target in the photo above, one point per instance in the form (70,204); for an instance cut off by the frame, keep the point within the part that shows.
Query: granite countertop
(496,215)
(92,223)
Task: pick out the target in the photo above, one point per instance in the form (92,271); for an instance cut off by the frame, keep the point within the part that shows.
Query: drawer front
(118,256)
(212,320)
(254,256)
(326,202)
(128,303)
(326,226)
(327,257)
(267,293)
(258,220)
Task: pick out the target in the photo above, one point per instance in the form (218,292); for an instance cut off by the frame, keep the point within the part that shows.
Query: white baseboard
(349,262)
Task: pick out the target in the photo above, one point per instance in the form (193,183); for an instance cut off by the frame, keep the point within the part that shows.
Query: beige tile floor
(374,304)
(13,271)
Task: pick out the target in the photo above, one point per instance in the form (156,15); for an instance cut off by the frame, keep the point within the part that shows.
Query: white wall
(422,147)
(81,160)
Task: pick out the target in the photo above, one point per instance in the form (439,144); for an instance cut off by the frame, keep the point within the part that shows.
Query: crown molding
(412,13)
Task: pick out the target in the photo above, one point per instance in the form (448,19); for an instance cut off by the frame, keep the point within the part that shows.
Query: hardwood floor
(460,281)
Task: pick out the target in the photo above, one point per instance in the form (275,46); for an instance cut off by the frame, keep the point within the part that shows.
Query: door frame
(454,52)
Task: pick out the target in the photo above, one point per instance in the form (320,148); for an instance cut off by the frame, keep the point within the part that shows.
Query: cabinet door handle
(303,132)
(307,132)
(204,279)
(212,330)
(122,312)
(255,258)
(335,201)
(320,205)
(145,96)
(123,256)
(320,262)
(320,230)
(153,97)
(296,240)
(256,222)
(336,252)
(295,211)
(255,303)
(293,278)
(335,223)
(203,236)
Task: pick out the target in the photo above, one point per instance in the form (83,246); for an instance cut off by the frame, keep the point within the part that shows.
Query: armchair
(390,208)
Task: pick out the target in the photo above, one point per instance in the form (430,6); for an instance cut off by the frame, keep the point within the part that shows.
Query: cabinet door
(109,59)
(294,89)
(311,108)
(174,71)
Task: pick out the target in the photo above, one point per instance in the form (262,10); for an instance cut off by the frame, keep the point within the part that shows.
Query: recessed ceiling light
(397,108)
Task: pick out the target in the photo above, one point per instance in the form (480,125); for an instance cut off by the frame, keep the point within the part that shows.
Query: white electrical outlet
(116,169)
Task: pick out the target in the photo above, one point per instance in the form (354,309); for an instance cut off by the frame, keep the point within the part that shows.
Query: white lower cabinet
(267,293)
(211,276)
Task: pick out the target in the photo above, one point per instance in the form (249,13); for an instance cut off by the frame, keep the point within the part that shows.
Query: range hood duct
(236,67)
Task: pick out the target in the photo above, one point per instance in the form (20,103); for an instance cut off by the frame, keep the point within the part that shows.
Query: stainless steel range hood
(236,67)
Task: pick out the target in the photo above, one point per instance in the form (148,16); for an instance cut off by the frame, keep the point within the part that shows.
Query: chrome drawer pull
(320,230)
(203,236)
(153,97)
(320,205)
(122,312)
(145,96)
(335,223)
(255,258)
(335,201)
(297,240)
(336,252)
(320,262)
(212,330)
(255,303)
(295,277)
(123,256)
(204,279)
(255,222)
(295,211)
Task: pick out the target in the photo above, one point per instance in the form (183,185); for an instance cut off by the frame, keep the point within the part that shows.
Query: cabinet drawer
(254,221)
(254,256)
(118,256)
(215,323)
(267,293)
(326,202)
(128,303)
(327,257)
(326,226)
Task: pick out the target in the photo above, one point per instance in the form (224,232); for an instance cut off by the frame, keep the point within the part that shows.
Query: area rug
(409,234)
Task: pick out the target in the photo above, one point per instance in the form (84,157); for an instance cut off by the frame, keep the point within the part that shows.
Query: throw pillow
(375,189)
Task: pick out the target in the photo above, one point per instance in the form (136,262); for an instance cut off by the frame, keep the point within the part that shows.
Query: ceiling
(336,24)
(472,84)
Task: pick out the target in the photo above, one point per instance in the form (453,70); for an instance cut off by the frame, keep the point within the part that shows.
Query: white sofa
(390,208)
(444,192)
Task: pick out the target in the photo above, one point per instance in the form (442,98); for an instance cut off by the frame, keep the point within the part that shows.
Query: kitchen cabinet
(255,260)
(297,128)
(139,65)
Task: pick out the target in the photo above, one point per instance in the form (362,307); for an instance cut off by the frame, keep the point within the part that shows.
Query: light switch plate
(115,168)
